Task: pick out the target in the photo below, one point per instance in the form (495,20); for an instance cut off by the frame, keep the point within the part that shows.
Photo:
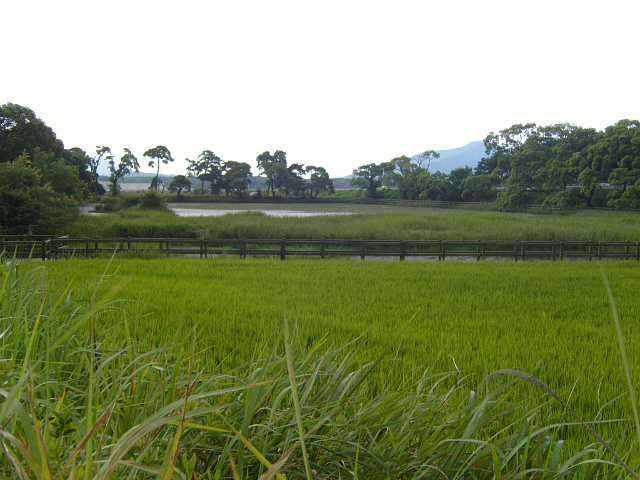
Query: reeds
(371,222)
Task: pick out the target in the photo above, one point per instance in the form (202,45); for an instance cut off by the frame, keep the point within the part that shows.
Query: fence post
(443,249)
(402,250)
(362,249)
(282,247)
(243,248)
(322,249)
(87,246)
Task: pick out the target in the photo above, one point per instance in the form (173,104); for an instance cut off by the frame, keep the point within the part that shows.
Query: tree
(476,188)
(179,183)
(274,167)
(406,173)
(78,158)
(426,156)
(500,147)
(319,181)
(292,181)
(158,155)
(435,186)
(370,177)
(208,168)
(55,173)
(236,177)
(27,205)
(457,177)
(21,131)
(589,180)
(128,162)
(94,162)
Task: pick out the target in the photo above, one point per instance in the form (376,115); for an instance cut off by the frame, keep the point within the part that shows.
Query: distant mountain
(467,156)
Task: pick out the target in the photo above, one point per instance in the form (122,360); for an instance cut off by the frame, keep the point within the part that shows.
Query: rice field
(335,369)
(552,320)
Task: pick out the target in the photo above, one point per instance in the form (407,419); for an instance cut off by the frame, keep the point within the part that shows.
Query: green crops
(552,319)
(174,366)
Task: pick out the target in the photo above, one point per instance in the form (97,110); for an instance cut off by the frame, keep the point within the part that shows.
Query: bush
(564,199)
(150,200)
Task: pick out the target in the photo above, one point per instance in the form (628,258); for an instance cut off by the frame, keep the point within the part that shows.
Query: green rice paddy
(551,319)
(182,368)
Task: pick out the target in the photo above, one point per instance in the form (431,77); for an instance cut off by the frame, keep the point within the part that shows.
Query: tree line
(559,165)
(41,182)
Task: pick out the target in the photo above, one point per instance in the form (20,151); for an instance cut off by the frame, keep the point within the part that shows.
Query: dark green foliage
(158,155)
(236,177)
(179,183)
(371,177)
(149,200)
(29,206)
(128,163)
(21,131)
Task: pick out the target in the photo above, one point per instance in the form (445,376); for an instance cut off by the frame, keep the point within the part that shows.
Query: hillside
(469,155)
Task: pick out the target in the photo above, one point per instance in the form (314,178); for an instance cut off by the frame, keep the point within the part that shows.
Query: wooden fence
(44,247)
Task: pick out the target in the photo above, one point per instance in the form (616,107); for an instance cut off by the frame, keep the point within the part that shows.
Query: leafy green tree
(292,181)
(370,177)
(236,177)
(61,177)
(561,169)
(158,155)
(78,158)
(274,167)
(500,148)
(319,181)
(405,176)
(207,168)
(128,162)
(457,176)
(22,131)
(436,187)
(27,205)
(629,198)
(426,156)
(568,198)
(179,183)
(477,188)
(589,180)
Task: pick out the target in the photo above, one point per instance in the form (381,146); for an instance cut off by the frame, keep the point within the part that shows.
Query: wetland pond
(297,210)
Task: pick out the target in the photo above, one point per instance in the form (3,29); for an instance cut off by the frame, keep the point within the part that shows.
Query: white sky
(333,83)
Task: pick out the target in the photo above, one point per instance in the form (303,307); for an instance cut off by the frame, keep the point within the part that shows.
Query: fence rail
(47,248)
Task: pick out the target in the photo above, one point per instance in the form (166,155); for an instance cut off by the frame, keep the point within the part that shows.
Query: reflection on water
(207,212)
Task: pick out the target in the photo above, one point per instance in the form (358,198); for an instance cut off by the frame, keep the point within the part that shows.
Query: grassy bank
(180,369)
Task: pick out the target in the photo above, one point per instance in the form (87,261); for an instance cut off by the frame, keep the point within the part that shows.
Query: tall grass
(372,223)
(89,392)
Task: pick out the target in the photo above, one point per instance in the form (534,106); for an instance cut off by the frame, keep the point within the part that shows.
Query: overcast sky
(333,83)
